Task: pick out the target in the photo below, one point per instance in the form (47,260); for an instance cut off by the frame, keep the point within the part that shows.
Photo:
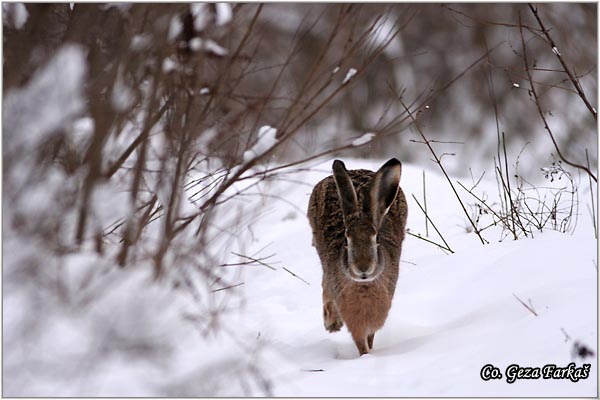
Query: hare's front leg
(331,316)
(361,342)
(370,340)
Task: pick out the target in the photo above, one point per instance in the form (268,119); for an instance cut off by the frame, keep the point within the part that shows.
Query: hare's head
(362,259)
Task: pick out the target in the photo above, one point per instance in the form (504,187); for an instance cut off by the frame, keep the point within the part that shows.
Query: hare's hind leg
(331,316)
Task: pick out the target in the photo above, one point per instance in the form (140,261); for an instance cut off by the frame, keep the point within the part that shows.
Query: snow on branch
(364,139)
(349,75)
(266,139)
(52,97)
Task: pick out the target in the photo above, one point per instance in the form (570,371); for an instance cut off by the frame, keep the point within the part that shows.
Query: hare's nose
(364,276)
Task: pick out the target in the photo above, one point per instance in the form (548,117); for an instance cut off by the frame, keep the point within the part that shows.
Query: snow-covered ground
(452,314)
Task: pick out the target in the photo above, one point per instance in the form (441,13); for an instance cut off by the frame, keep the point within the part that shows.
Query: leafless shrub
(134,135)
(521,208)
(531,208)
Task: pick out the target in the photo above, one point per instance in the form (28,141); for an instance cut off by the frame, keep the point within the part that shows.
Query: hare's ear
(383,190)
(345,189)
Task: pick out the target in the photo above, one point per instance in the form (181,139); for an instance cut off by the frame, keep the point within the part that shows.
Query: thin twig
(529,308)
(507,193)
(485,21)
(249,262)
(432,224)
(429,241)
(293,274)
(587,159)
(227,287)
(481,201)
(436,141)
(558,54)
(256,260)
(425,207)
(541,113)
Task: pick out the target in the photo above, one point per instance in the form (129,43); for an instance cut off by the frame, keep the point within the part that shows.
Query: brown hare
(358,219)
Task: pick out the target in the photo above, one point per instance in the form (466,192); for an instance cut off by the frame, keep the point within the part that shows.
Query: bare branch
(528,307)
(560,57)
(541,113)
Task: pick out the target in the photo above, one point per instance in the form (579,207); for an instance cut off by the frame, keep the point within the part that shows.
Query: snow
(54,95)
(169,64)
(335,70)
(122,97)
(208,45)
(349,75)
(121,334)
(223,13)
(555,51)
(122,7)
(382,33)
(266,140)
(200,14)
(16,13)
(204,91)
(451,315)
(142,42)
(516,85)
(84,127)
(213,47)
(175,27)
(366,138)
(196,44)
(20,15)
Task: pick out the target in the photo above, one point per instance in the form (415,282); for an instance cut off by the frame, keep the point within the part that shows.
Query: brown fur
(362,306)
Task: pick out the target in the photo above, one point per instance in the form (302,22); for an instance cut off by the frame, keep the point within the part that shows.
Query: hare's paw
(331,318)
(334,326)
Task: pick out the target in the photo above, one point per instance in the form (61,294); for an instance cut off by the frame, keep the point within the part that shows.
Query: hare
(358,219)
